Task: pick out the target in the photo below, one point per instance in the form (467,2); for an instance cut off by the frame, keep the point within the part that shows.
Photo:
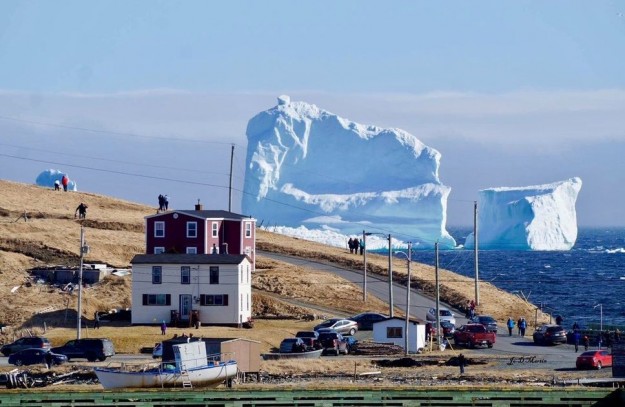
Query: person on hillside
(163,328)
(362,246)
(96,320)
(350,244)
(518,324)
(166,202)
(81,211)
(57,185)
(356,245)
(510,325)
(65,182)
(559,320)
(161,203)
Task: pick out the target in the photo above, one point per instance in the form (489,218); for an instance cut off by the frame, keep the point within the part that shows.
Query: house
(201,231)
(392,330)
(211,289)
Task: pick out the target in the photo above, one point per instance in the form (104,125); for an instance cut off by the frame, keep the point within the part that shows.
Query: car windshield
(445,313)
(589,353)
(487,320)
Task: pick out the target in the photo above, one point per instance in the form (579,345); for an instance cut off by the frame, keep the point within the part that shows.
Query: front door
(185,306)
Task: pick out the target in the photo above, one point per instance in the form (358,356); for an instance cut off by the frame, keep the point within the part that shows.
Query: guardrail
(458,396)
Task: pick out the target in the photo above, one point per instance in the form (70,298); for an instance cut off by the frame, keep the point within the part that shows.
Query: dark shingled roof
(166,258)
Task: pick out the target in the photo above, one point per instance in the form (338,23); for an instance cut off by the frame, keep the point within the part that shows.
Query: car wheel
(352,331)
(490,345)
(599,365)
(18,362)
(102,358)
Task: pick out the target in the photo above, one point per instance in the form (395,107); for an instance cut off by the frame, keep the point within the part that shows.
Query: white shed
(392,330)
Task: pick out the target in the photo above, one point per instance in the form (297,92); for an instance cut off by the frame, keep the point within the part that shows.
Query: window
(159,229)
(248,229)
(215,229)
(157,274)
(156,299)
(185,275)
(214,275)
(214,300)
(159,250)
(191,250)
(394,332)
(191,229)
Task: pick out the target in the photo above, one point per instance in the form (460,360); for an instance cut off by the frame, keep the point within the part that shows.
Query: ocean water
(569,283)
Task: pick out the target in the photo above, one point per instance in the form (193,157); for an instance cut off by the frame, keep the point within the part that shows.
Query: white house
(392,330)
(215,288)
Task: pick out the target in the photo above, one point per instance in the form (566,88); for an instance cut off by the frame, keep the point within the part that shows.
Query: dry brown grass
(114,232)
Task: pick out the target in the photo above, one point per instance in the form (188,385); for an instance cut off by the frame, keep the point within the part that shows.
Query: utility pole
(390,277)
(364,274)
(84,249)
(230,186)
(438,298)
(475,252)
(407,342)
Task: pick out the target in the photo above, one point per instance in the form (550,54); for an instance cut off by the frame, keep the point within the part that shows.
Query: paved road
(561,357)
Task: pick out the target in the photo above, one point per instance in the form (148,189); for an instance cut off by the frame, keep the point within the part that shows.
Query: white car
(444,313)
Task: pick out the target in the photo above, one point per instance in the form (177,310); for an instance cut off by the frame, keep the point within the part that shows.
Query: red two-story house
(201,232)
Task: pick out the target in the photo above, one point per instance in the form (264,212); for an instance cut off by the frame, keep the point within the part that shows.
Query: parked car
(340,325)
(34,356)
(91,349)
(549,335)
(489,322)
(290,345)
(472,335)
(310,338)
(366,320)
(26,343)
(157,351)
(594,359)
(444,314)
(334,342)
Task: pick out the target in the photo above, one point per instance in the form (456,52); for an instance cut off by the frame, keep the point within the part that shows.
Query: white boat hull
(204,376)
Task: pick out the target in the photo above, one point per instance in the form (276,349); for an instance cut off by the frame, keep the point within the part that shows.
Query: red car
(594,359)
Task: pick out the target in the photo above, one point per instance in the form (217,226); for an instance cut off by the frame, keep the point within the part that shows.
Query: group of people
(355,245)
(64,181)
(470,309)
(521,325)
(163,203)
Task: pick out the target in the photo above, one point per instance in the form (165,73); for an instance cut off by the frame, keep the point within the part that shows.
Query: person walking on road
(522,326)
(510,325)
(576,337)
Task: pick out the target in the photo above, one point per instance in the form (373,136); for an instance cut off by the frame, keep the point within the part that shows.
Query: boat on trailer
(191,367)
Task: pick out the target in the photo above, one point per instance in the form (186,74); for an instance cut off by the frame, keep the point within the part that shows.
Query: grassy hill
(114,232)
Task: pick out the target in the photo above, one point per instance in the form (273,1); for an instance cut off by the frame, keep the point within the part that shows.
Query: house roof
(166,258)
(412,320)
(206,214)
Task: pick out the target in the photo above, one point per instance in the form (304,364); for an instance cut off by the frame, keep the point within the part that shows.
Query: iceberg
(307,166)
(540,217)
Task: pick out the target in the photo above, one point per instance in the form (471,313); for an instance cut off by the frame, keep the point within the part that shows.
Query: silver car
(340,325)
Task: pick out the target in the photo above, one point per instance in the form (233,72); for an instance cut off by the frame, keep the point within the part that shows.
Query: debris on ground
(25,379)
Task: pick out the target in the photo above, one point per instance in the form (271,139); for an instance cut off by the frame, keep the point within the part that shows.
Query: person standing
(576,336)
(586,342)
(461,362)
(96,320)
(57,185)
(166,202)
(161,203)
(350,244)
(510,325)
(163,328)
(518,324)
(81,210)
(362,246)
(49,360)
(65,182)
(523,326)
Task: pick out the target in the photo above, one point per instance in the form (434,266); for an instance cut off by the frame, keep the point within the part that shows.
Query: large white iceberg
(540,217)
(308,166)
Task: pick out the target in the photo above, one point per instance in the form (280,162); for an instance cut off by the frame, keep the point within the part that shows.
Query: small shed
(392,330)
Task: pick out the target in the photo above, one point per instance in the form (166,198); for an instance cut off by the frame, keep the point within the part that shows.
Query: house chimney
(198,206)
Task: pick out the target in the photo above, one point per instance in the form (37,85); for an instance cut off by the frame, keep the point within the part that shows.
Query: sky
(134,99)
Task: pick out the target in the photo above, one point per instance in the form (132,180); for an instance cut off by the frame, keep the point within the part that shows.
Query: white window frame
(185,270)
(159,226)
(248,229)
(159,250)
(157,274)
(215,229)
(192,250)
(191,231)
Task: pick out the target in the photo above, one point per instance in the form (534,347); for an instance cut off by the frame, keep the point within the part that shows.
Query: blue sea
(569,283)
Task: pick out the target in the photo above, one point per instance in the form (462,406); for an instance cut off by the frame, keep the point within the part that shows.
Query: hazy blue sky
(511,93)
